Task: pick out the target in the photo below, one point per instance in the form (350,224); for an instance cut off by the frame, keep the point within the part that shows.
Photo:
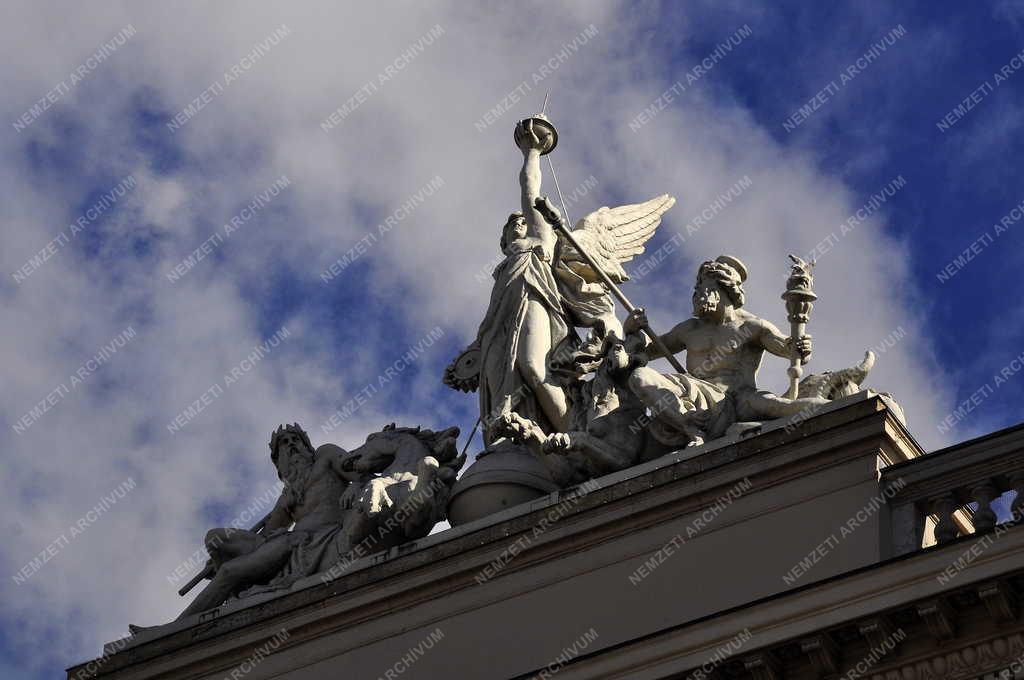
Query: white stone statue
(629,413)
(724,346)
(607,432)
(392,489)
(611,237)
(406,475)
(543,290)
(294,538)
(525,320)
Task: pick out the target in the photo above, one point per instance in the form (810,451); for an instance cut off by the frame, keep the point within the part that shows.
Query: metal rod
(554,177)
(471,435)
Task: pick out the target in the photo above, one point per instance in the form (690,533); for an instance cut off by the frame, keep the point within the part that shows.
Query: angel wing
(612,236)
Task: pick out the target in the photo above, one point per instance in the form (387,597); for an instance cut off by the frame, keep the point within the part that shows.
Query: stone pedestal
(588,578)
(506,476)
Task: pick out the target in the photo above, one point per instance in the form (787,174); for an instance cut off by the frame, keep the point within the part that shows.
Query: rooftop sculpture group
(556,409)
(334,505)
(587,407)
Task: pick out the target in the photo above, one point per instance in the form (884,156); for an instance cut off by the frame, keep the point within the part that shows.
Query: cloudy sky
(343,172)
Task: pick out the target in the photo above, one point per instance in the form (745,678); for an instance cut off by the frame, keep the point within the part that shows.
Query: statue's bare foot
(135,630)
(695,440)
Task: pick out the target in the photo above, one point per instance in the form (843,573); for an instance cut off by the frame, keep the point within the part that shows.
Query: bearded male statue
(275,551)
(724,346)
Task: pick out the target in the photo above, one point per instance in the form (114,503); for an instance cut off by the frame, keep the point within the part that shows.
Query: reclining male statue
(397,483)
(724,346)
(313,485)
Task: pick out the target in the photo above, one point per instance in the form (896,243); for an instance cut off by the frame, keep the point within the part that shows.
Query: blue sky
(420,279)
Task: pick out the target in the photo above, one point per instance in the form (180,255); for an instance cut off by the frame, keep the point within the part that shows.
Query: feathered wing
(612,236)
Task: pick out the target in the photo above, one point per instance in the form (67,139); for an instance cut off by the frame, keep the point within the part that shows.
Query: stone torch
(799,301)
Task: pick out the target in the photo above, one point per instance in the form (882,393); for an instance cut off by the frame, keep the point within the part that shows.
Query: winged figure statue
(543,289)
(612,237)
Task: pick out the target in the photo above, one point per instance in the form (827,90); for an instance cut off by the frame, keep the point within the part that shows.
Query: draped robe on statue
(584,308)
(524,276)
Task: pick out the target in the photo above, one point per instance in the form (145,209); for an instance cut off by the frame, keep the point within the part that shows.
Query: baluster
(983,493)
(943,507)
(1017,507)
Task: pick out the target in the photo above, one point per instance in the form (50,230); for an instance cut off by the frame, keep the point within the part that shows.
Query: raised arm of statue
(531,143)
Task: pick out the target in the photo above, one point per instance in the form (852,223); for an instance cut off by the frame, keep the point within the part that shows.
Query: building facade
(835,549)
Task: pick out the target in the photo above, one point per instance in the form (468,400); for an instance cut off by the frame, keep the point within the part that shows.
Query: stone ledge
(686,478)
(872,591)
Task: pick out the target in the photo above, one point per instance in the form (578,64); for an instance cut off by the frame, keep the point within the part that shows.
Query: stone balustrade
(952,492)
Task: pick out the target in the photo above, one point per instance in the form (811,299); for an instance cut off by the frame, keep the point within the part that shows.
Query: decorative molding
(822,652)
(876,631)
(762,666)
(968,662)
(939,617)
(999,601)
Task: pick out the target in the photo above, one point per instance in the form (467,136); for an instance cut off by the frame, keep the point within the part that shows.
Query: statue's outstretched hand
(529,139)
(350,498)
(548,211)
